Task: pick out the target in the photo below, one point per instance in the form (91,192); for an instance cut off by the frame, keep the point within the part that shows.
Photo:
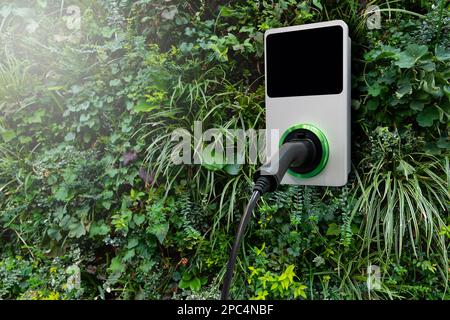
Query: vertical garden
(91,206)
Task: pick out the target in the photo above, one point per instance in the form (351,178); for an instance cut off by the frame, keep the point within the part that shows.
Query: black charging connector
(295,153)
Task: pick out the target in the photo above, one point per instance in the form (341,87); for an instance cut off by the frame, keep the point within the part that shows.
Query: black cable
(237,243)
(268,177)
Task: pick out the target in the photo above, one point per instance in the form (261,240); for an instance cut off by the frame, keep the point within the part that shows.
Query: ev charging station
(308,84)
(307,70)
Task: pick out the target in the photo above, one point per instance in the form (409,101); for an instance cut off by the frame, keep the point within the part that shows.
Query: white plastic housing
(330,113)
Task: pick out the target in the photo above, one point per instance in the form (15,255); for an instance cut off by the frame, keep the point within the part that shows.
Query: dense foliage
(91,206)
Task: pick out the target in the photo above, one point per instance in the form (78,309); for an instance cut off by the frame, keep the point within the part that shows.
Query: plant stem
(439,27)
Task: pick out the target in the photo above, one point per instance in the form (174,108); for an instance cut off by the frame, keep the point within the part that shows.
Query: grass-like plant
(403,198)
(15,84)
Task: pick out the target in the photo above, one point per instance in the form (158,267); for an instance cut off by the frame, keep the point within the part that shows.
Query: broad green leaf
(428,66)
(106,204)
(99,229)
(374,90)
(62,194)
(195,284)
(129,255)
(409,57)
(138,219)
(427,117)
(442,54)
(116,265)
(55,234)
(60,212)
(77,230)
(133,242)
(184,284)
(404,88)
(226,11)
(443,143)
(383,52)
(417,105)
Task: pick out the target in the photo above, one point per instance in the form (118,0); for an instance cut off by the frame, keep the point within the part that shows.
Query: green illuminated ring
(325,149)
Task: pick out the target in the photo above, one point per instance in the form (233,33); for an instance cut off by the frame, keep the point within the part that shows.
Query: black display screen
(305,62)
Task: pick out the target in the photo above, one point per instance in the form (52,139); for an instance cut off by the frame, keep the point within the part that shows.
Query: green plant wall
(91,206)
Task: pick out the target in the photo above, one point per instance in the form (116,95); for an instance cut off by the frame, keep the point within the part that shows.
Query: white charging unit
(308,84)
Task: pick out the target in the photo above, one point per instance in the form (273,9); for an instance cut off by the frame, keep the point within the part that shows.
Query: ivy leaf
(409,57)
(427,117)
